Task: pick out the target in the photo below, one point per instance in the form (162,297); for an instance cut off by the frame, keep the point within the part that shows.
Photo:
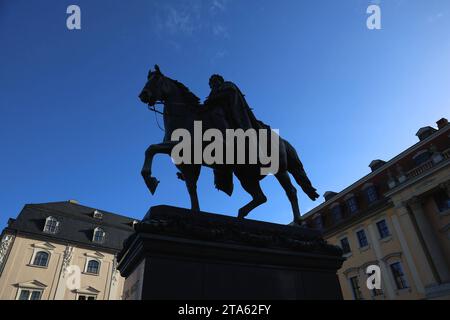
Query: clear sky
(72,127)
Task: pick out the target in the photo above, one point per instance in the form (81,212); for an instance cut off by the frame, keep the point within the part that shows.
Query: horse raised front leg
(146,172)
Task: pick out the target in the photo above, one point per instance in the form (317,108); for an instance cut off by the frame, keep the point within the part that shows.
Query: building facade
(62,251)
(396,218)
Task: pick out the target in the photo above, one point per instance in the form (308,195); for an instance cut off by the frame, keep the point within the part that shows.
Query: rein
(153,108)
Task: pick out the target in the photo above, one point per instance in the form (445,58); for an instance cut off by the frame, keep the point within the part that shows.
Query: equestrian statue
(224,109)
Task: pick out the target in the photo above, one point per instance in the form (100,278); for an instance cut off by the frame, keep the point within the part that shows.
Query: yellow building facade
(396,218)
(62,251)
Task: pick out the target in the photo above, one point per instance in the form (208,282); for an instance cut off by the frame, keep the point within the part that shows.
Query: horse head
(155,89)
(161,88)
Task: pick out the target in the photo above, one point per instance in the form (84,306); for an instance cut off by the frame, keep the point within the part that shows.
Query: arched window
(51,225)
(93,267)
(399,275)
(41,259)
(99,235)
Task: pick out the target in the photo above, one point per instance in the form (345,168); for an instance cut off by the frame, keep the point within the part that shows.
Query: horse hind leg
(291,192)
(258,197)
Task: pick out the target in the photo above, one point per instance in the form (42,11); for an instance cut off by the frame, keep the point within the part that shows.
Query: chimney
(375,164)
(441,123)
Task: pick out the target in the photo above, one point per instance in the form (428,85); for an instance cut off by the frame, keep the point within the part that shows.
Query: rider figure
(227,96)
(234,114)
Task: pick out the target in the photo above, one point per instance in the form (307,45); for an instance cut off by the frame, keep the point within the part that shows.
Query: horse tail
(295,167)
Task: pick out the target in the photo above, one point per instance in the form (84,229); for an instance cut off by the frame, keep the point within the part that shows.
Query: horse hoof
(152,184)
(241,215)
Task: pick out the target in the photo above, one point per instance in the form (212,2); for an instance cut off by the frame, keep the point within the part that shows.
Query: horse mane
(186,93)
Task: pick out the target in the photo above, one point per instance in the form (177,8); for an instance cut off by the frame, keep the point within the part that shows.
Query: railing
(420,169)
(428,165)
(446,154)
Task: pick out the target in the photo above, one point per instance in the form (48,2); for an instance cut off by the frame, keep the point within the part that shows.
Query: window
(421,157)
(345,245)
(336,212)
(29,294)
(93,267)
(383,229)
(362,239)
(354,282)
(41,259)
(51,225)
(375,292)
(87,297)
(371,193)
(318,223)
(99,235)
(399,276)
(352,205)
(442,200)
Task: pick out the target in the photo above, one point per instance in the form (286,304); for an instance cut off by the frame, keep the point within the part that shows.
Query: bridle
(164,112)
(160,102)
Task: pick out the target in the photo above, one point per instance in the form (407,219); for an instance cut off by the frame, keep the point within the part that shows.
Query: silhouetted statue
(226,95)
(225,108)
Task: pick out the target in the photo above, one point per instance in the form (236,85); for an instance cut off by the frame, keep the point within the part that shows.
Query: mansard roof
(76,224)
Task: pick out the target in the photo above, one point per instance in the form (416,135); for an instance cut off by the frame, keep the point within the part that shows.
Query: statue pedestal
(177,254)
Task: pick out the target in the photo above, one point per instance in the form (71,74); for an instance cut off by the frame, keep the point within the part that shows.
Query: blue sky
(72,127)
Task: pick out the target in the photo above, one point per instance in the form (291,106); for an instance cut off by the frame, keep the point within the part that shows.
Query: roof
(382,170)
(76,224)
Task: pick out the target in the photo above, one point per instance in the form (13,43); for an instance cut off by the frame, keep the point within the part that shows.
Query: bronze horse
(181,109)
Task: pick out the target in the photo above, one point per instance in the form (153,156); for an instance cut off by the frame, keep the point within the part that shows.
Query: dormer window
(99,235)
(329,194)
(376,164)
(421,157)
(351,203)
(51,225)
(371,192)
(318,222)
(98,215)
(425,132)
(336,212)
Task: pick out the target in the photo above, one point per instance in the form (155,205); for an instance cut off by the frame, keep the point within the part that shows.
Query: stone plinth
(177,254)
